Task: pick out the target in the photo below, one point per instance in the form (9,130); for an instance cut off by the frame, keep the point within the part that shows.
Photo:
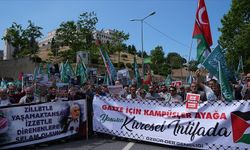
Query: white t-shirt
(23,100)
(210,93)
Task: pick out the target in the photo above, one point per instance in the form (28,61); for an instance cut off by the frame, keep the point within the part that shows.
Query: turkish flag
(202,25)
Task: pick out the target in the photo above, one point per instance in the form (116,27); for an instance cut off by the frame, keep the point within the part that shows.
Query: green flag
(190,79)
(48,69)
(62,71)
(81,72)
(66,72)
(137,74)
(40,69)
(240,66)
(3,84)
(107,81)
(211,63)
(168,80)
(35,73)
(147,60)
(226,89)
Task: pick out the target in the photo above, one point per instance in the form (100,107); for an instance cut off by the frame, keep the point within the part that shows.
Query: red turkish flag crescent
(202,25)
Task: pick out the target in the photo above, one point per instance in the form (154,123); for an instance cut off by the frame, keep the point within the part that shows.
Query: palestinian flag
(240,126)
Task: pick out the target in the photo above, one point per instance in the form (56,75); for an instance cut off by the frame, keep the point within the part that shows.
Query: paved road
(101,143)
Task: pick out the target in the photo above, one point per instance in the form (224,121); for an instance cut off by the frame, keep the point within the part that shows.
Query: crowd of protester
(208,91)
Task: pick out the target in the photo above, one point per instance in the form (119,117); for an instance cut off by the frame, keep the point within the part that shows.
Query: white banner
(31,124)
(214,126)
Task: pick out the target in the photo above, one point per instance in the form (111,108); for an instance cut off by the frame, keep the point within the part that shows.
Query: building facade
(47,40)
(8,51)
(103,35)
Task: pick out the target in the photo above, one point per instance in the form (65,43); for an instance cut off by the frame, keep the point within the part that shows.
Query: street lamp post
(141,20)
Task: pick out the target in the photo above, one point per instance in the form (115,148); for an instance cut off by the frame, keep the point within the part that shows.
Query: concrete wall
(11,68)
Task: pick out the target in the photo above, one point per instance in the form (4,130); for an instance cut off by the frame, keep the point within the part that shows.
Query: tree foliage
(24,41)
(175,60)
(159,65)
(236,33)
(144,54)
(118,37)
(77,34)
(32,33)
(131,49)
(54,47)
(157,55)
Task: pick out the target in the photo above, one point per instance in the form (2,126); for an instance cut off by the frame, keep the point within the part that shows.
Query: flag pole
(189,55)
(190,50)
(220,79)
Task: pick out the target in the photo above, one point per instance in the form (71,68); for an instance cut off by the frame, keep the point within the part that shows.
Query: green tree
(31,33)
(159,65)
(157,55)
(131,49)
(235,35)
(144,54)
(24,41)
(14,36)
(164,69)
(175,60)
(77,34)
(118,37)
(54,47)
(86,25)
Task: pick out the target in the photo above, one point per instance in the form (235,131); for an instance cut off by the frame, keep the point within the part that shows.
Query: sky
(171,27)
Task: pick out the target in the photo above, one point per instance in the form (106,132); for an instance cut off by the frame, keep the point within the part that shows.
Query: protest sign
(31,124)
(192,101)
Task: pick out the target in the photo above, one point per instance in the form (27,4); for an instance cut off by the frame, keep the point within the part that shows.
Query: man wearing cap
(174,96)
